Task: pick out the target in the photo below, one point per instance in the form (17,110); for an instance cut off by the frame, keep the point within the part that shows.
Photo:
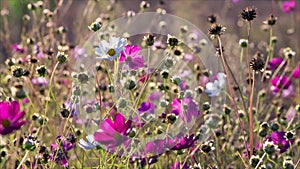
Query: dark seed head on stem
(248,13)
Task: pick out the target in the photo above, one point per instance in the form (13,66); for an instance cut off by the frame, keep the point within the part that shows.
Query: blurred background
(76,15)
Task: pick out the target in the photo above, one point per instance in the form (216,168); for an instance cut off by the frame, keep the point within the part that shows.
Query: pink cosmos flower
(18,48)
(278,138)
(296,73)
(289,6)
(40,81)
(185,142)
(282,83)
(131,55)
(10,117)
(188,58)
(274,63)
(185,108)
(144,110)
(114,133)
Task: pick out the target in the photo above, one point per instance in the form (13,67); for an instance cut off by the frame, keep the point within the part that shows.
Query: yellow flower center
(111,52)
(5,123)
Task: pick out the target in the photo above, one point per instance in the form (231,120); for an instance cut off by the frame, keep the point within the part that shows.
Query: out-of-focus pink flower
(296,73)
(282,83)
(154,96)
(188,58)
(146,107)
(289,6)
(25,101)
(10,117)
(18,48)
(131,55)
(274,63)
(279,82)
(79,52)
(144,78)
(61,148)
(158,45)
(278,138)
(185,108)
(185,142)
(41,81)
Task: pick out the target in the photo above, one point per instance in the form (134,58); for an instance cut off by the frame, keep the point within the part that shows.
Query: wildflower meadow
(157,84)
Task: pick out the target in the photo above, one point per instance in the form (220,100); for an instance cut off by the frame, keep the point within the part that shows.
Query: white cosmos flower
(89,144)
(110,50)
(215,88)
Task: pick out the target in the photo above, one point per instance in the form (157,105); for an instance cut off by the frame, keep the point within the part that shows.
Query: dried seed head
(248,14)
(212,19)
(216,30)
(257,63)
(271,20)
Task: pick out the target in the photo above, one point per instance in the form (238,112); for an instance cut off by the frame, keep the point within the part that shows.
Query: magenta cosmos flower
(278,138)
(274,63)
(113,133)
(282,83)
(289,6)
(296,73)
(131,55)
(10,117)
(18,48)
(185,108)
(185,142)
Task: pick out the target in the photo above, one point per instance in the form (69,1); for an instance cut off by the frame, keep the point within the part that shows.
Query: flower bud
(62,57)
(274,126)
(95,26)
(243,43)
(42,71)
(172,41)
(269,147)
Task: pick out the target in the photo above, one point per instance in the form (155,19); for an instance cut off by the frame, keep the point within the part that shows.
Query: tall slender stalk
(250,89)
(251,115)
(231,92)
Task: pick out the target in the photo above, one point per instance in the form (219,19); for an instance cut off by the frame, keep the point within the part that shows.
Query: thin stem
(108,73)
(232,93)
(99,94)
(148,80)
(236,83)
(270,53)
(48,96)
(260,160)
(251,114)
(23,159)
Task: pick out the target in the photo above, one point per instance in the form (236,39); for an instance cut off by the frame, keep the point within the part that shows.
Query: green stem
(23,159)
(260,160)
